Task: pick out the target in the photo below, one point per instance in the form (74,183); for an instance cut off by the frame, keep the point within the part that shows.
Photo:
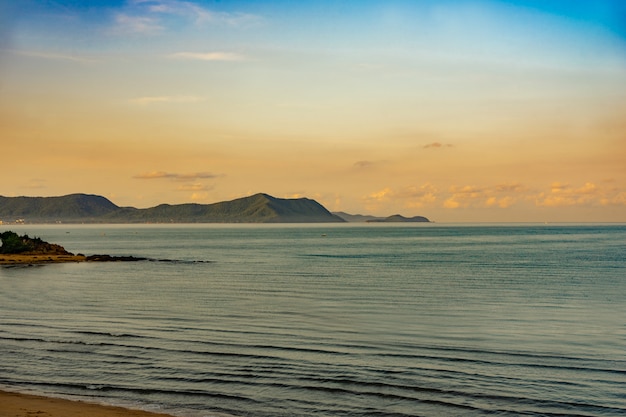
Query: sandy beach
(24,405)
(38,259)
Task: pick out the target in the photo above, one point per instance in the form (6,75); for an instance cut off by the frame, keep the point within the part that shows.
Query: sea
(375,320)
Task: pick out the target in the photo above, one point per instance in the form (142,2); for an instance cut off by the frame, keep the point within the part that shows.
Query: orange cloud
(503,202)
(193,187)
(437,145)
(364,164)
(199,196)
(496,196)
(499,196)
(564,195)
(174,176)
(410,197)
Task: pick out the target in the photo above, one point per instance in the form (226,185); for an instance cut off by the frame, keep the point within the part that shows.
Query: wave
(348,392)
(330,351)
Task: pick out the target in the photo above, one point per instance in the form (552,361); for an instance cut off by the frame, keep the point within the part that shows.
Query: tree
(12,243)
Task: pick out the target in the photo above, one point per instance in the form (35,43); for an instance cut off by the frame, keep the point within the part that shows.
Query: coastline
(15,404)
(17,259)
(39,259)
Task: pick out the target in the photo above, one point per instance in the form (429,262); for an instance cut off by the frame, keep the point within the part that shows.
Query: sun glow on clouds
(440,108)
(500,196)
(564,195)
(174,176)
(189,182)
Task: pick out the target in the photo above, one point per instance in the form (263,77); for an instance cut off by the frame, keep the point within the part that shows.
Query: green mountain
(85,208)
(355,218)
(76,207)
(396,218)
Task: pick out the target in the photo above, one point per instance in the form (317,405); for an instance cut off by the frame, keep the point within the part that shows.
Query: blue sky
(457,110)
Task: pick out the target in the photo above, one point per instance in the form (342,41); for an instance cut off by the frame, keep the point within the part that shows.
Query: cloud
(465,196)
(56,56)
(502,202)
(559,195)
(409,197)
(166,99)
(382,195)
(187,9)
(515,187)
(151,17)
(457,196)
(497,196)
(437,145)
(35,184)
(491,196)
(193,187)
(199,196)
(145,25)
(564,195)
(364,164)
(207,56)
(174,176)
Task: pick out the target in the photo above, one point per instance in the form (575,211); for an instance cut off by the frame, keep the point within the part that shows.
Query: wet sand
(24,405)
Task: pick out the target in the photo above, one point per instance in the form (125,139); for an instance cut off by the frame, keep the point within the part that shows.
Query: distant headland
(24,250)
(258,208)
(397,218)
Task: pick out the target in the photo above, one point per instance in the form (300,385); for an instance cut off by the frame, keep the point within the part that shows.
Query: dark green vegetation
(396,218)
(360,218)
(12,244)
(74,206)
(84,208)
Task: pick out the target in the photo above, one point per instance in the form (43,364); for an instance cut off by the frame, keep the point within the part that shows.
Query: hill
(396,218)
(73,207)
(355,218)
(86,208)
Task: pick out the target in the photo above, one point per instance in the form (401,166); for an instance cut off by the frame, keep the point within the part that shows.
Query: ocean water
(325,320)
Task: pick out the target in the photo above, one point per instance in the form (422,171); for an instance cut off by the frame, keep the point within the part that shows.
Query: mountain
(75,207)
(355,218)
(85,208)
(396,218)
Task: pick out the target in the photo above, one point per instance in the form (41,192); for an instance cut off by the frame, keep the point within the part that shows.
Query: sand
(24,405)
(38,259)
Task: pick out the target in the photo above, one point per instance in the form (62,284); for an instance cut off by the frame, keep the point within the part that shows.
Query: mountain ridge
(91,208)
(396,218)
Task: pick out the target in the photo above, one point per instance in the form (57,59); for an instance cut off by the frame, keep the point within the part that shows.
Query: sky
(460,111)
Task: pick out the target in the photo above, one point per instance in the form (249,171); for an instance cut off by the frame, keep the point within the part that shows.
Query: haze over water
(328,320)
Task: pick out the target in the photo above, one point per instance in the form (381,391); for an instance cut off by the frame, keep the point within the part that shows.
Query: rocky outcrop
(16,250)
(397,218)
(109,258)
(12,243)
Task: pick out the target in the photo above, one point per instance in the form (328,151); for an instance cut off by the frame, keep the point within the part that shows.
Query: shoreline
(17,259)
(16,404)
